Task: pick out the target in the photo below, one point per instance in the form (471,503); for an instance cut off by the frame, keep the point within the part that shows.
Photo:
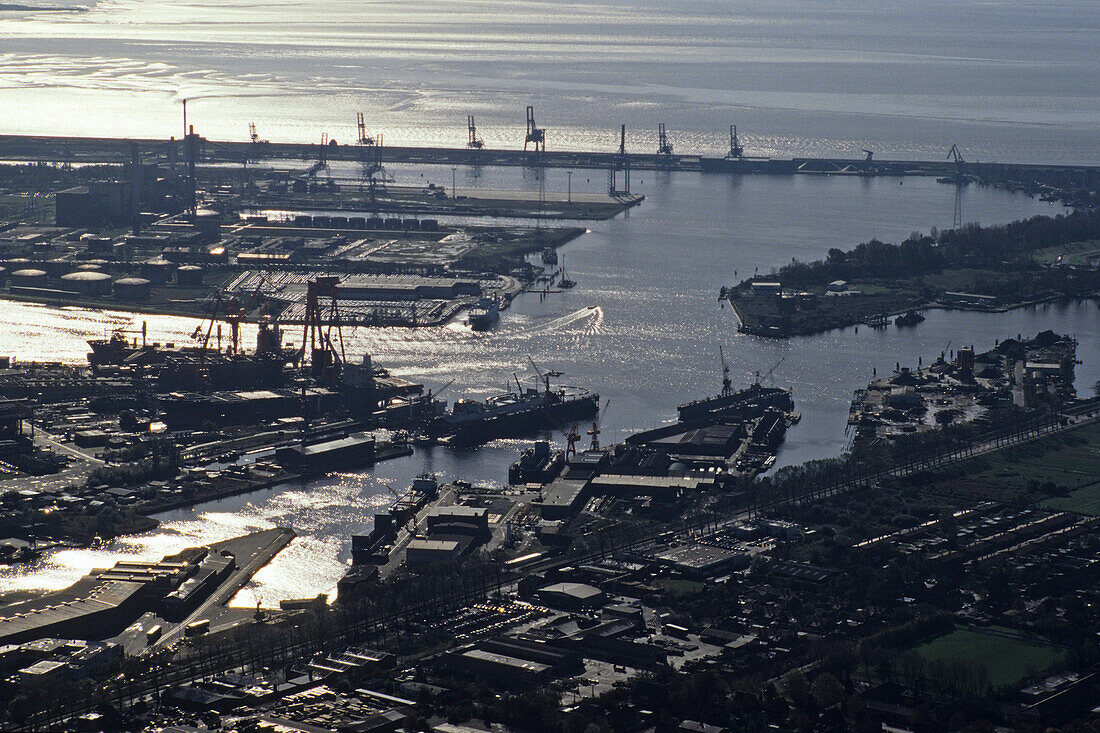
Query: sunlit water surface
(642,328)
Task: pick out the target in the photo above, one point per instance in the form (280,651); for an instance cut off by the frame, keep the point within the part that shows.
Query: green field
(1069,460)
(1007,659)
(1071,254)
(1085,500)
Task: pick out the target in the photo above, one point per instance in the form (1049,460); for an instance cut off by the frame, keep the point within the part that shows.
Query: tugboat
(484,314)
(911,318)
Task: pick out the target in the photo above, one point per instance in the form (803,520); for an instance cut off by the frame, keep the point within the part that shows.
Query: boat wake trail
(583,321)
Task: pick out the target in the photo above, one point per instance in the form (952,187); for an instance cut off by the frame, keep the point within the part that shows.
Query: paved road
(253,552)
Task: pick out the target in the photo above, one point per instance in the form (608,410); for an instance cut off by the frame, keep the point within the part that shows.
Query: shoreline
(742,327)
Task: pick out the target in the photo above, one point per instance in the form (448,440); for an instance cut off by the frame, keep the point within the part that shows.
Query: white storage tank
(87,283)
(133,288)
(29,278)
(189,276)
(157,271)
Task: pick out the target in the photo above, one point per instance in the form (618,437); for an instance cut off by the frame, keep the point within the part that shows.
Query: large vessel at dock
(485,314)
(510,413)
(753,399)
(195,367)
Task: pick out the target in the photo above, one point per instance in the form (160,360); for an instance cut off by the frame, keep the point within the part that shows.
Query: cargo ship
(471,422)
(745,403)
(484,314)
(196,367)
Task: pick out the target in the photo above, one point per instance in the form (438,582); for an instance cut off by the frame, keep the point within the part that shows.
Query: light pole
(453,194)
(569,194)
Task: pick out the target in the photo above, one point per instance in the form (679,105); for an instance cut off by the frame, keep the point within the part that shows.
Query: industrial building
(346,452)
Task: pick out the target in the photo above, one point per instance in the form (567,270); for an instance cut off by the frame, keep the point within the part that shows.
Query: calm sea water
(1005,79)
(642,328)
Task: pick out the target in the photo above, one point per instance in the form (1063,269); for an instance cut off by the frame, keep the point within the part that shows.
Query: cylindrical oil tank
(189,276)
(208,223)
(133,288)
(157,271)
(58,267)
(87,283)
(89,267)
(29,278)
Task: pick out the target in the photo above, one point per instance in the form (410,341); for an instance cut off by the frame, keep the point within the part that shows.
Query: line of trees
(1004,247)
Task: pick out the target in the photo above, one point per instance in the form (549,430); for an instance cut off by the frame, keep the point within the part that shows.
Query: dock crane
(255,136)
(370,156)
(868,162)
(234,313)
(475,142)
(544,377)
(767,374)
(442,389)
(956,155)
(727,383)
(664,145)
(326,356)
(621,162)
(535,134)
(960,180)
(737,152)
(595,431)
(361,127)
(572,436)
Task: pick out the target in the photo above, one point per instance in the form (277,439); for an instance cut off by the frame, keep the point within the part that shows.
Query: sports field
(1006,657)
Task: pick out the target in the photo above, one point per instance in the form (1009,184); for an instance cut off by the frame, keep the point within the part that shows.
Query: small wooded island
(978,268)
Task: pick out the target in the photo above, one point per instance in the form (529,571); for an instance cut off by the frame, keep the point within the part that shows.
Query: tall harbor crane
(620,162)
(737,152)
(960,180)
(370,156)
(475,142)
(664,145)
(326,356)
(535,134)
(727,383)
(767,374)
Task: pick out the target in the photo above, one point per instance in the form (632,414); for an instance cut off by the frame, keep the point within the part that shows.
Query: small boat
(565,282)
(911,318)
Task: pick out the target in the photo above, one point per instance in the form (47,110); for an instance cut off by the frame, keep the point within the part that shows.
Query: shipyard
(479,368)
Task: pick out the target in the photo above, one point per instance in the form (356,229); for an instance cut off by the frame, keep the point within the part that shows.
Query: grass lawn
(1070,460)
(1085,500)
(1007,659)
(1070,254)
(680,586)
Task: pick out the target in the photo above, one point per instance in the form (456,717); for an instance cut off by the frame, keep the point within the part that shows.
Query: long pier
(87,150)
